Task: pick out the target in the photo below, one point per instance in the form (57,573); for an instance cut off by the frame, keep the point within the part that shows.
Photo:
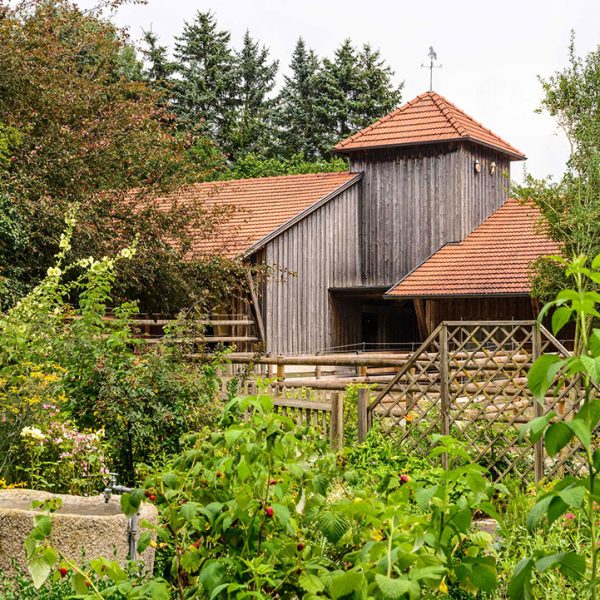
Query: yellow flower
(376,535)
(443,587)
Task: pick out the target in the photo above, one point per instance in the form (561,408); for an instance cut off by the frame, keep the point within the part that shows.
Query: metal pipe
(113,488)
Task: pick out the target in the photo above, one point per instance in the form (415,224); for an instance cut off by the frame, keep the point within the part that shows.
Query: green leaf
(282,514)
(483,576)
(157,590)
(519,587)
(311,583)
(39,569)
(346,584)
(211,575)
(539,510)
(144,541)
(571,564)
(581,430)
(243,470)
(189,510)
(592,367)
(232,435)
(557,437)
(536,427)
(542,374)
(333,526)
(397,588)
(573,496)
(560,317)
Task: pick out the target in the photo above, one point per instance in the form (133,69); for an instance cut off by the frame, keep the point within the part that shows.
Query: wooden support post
(538,450)
(363,405)
(362,371)
(280,378)
(444,389)
(421,319)
(257,313)
(337,420)
(280,371)
(318,372)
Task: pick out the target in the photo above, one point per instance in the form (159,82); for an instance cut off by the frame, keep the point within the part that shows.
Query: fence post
(444,388)
(363,405)
(538,449)
(280,377)
(337,420)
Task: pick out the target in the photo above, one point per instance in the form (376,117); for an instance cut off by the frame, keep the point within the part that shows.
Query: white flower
(54,272)
(127,252)
(64,243)
(32,432)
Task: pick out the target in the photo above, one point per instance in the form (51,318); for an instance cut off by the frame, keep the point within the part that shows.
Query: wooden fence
(469,379)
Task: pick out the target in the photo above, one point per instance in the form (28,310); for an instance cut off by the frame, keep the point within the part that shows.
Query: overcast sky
(491,52)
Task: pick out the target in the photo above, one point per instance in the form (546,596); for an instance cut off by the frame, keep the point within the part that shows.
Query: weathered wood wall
(417,199)
(320,252)
(409,203)
(501,308)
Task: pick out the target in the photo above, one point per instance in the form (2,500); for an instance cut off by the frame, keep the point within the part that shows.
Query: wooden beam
(259,320)
(421,320)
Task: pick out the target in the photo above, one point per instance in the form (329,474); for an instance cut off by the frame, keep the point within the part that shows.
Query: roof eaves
(465,138)
(389,296)
(307,211)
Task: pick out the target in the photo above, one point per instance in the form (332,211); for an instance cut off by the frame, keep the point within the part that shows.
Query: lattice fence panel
(469,380)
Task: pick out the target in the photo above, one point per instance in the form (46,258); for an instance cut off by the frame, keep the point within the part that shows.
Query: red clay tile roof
(494,259)
(428,118)
(254,208)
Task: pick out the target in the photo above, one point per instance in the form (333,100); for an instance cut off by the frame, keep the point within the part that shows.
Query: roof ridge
(429,117)
(442,105)
(478,123)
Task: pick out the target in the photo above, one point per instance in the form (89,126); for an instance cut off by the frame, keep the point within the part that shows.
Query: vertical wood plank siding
(409,203)
(319,252)
(418,199)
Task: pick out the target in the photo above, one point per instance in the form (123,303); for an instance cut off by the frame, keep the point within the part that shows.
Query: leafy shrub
(576,497)
(258,508)
(71,369)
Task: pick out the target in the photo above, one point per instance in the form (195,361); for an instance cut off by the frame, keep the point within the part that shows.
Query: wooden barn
(418,230)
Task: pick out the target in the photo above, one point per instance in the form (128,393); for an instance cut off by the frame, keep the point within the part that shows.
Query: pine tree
(376,95)
(205,92)
(300,127)
(158,69)
(255,75)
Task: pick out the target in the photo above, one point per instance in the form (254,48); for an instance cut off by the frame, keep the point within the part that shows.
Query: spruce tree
(158,69)
(255,75)
(205,91)
(301,129)
(339,83)
(376,95)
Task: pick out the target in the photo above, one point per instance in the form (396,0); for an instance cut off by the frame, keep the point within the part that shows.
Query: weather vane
(432,58)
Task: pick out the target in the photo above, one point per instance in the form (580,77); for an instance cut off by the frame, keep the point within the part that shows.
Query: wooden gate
(469,380)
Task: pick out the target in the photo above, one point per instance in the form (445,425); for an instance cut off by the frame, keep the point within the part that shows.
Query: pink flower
(569,516)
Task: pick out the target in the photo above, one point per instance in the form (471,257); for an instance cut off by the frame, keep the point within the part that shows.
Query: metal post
(444,389)
(363,405)
(538,449)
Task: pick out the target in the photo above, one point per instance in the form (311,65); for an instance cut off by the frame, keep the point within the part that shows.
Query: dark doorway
(363,320)
(370,328)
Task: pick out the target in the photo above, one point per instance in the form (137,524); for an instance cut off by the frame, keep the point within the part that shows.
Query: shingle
(428,118)
(494,259)
(257,207)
